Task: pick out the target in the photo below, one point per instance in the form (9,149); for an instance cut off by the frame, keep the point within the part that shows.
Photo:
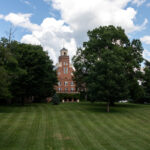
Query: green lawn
(73,126)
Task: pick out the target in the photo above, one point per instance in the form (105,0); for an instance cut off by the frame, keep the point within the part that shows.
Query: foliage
(28,71)
(69,96)
(146,82)
(55,99)
(8,67)
(4,85)
(108,65)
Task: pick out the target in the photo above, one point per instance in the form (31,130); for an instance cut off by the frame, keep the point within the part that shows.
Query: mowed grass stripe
(10,133)
(134,125)
(137,129)
(6,116)
(124,132)
(57,135)
(112,127)
(49,140)
(66,134)
(30,140)
(85,135)
(73,126)
(103,132)
(71,139)
(40,137)
(125,124)
(99,134)
(107,120)
(112,131)
(25,133)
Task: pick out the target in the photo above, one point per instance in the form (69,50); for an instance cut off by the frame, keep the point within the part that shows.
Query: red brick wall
(65,77)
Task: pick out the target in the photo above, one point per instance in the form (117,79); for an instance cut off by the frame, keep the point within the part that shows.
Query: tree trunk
(112,103)
(22,100)
(108,109)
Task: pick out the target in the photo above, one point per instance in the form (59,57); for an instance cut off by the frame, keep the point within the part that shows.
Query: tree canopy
(27,71)
(146,82)
(108,65)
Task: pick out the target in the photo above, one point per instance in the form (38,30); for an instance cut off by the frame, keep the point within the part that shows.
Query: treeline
(110,67)
(26,73)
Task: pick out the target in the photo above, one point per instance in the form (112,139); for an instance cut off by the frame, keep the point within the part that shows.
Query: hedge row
(68,96)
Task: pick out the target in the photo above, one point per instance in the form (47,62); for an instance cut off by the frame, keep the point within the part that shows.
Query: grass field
(73,126)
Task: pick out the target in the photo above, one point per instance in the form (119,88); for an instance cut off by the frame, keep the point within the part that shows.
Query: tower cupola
(63,52)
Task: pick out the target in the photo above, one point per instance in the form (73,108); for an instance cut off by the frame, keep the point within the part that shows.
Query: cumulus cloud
(1,16)
(28,3)
(21,20)
(148,4)
(145,39)
(52,34)
(138,2)
(146,54)
(83,15)
(77,17)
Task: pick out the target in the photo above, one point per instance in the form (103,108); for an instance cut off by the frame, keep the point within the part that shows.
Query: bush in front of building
(55,99)
(69,96)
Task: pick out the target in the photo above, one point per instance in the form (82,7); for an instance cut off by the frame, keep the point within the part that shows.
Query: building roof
(63,49)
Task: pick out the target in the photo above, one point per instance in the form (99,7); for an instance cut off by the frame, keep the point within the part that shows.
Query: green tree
(38,76)
(4,85)
(55,99)
(26,71)
(146,81)
(8,66)
(108,65)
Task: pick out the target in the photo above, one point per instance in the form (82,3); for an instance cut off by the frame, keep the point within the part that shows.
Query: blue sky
(54,23)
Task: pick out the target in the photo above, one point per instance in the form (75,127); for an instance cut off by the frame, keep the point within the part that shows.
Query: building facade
(65,74)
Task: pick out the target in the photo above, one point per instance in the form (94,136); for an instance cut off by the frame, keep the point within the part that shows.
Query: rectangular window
(66,89)
(59,83)
(72,83)
(66,70)
(59,89)
(66,83)
(64,63)
(72,89)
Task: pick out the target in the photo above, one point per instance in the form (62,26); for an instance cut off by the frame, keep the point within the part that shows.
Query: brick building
(64,74)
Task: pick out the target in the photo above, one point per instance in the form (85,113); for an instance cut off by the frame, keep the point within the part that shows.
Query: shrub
(69,96)
(55,99)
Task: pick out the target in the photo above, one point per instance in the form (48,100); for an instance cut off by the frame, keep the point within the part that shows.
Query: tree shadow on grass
(117,108)
(15,108)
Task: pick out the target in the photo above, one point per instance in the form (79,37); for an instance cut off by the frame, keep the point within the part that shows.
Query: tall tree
(146,82)
(38,76)
(108,64)
(25,71)
(8,66)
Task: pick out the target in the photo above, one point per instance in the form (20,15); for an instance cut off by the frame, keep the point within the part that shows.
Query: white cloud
(138,2)
(77,17)
(1,16)
(51,35)
(148,4)
(146,54)
(22,20)
(83,15)
(27,2)
(145,39)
